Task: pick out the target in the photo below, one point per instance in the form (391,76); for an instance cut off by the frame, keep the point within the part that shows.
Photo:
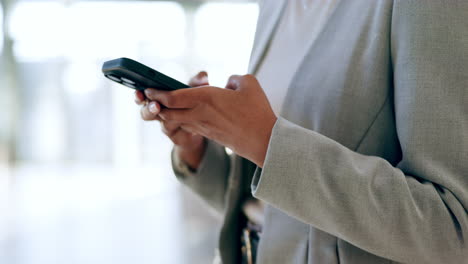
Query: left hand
(238,117)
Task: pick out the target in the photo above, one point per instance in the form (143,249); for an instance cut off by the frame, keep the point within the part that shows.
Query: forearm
(361,199)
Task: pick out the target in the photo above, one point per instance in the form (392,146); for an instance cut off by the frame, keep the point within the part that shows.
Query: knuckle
(249,77)
(149,93)
(167,115)
(146,114)
(171,130)
(176,140)
(143,113)
(185,128)
(172,127)
(170,100)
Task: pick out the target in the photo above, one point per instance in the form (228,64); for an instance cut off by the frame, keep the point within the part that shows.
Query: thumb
(234,82)
(200,79)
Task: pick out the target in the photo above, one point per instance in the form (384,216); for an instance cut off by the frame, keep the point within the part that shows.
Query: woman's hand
(190,147)
(238,117)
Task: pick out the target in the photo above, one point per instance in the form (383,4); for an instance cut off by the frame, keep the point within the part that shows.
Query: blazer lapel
(270,13)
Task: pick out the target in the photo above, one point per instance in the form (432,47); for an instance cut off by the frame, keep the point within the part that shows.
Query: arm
(211,178)
(417,210)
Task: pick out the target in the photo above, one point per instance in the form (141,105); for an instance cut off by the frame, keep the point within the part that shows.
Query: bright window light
(219,25)
(1,29)
(113,28)
(81,77)
(49,129)
(91,30)
(38,29)
(224,35)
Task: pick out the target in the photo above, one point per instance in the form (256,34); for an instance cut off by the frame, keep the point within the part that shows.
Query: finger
(150,111)
(178,115)
(139,97)
(200,79)
(182,138)
(182,98)
(154,107)
(191,129)
(169,128)
(170,133)
(198,129)
(236,82)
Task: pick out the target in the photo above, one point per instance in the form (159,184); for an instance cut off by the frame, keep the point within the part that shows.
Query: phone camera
(114,78)
(125,80)
(129,85)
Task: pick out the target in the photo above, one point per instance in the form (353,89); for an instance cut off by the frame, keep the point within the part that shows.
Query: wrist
(264,142)
(193,155)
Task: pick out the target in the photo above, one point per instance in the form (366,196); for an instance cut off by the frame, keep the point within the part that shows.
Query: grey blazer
(368,162)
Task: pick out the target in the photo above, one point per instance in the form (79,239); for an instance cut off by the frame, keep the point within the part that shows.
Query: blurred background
(82,178)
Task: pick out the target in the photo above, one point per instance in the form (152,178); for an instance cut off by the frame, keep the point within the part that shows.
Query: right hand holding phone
(190,147)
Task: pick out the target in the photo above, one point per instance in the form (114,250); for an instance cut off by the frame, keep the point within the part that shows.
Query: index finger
(182,98)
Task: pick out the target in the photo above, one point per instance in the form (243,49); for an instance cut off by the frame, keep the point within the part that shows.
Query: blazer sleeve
(417,210)
(211,179)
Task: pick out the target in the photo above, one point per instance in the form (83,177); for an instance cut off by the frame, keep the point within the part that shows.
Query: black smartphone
(138,76)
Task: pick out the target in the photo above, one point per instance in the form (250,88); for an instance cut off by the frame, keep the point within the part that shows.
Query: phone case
(138,76)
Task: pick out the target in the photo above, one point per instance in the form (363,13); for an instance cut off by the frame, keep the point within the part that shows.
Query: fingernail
(204,79)
(148,92)
(153,108)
